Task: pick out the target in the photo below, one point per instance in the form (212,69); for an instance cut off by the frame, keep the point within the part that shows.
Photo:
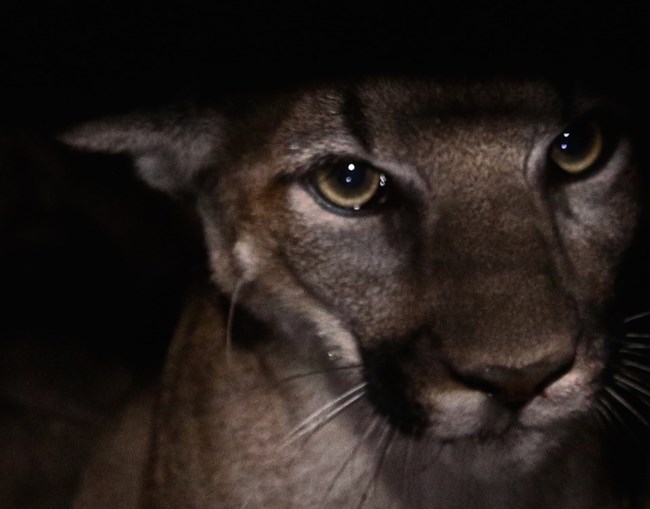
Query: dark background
(75,58)
(93,266)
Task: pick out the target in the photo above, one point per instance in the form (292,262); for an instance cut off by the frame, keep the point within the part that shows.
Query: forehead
(397,118)
(423,99)
(459,98)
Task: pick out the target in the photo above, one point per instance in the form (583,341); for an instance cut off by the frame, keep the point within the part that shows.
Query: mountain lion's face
(459,243)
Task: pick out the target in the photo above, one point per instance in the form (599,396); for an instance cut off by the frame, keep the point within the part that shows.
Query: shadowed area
(93,268)
(93,265)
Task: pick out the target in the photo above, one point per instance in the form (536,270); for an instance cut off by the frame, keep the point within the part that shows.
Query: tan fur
(493,266)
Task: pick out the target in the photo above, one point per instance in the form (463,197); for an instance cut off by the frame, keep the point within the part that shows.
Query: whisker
(635,365)
(387,440)
(631,375)
(325,371)
(631,384)
(637,316)
(326,413)
(405,467)
(622,401)
(637,335)
(611,413)
(369,430)
(617,417)
(231,316)
(632,345)
(634,352)
(601,413)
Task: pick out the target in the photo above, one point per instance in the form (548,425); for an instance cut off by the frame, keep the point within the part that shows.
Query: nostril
(514,387)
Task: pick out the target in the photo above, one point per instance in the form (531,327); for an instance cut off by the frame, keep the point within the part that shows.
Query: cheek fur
(355,266)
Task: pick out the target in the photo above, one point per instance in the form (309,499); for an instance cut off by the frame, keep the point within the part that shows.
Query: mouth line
(482,437)
(498,425)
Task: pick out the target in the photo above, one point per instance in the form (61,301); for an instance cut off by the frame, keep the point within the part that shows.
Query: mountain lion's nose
(514,387)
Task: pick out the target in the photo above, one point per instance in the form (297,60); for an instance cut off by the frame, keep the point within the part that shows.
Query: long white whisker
(602,414)
(637,335)
(326,413)
(609,409)
(371,427)
(631,375)
(627,381)
(405,467)
(324,371)
(631,352)
(231,316)
(636,317)
(387,440)
(617,417)
(635,365)
(621,400)
(633,345)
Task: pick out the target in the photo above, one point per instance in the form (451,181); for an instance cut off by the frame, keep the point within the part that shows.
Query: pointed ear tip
(69,137)
(80,137)
(95,137)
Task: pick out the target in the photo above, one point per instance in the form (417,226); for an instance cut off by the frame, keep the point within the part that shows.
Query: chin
(511,454)
(489,443)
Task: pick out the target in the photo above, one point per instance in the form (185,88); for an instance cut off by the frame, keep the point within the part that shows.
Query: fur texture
(445,346)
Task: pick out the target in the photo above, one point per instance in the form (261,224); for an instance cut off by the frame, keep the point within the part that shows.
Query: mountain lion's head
(459,243)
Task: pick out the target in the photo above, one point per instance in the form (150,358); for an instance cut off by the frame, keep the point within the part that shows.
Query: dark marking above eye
(355,119)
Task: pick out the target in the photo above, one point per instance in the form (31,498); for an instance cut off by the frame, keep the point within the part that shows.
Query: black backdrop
(93,265)
(78,58)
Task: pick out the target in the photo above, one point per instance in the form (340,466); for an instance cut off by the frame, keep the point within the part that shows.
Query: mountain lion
(415,303)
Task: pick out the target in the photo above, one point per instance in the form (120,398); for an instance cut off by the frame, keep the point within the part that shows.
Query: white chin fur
(496,459)
(480,438)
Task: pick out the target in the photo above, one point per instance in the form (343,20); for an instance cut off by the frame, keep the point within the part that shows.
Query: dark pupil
(350,177)
(575,142)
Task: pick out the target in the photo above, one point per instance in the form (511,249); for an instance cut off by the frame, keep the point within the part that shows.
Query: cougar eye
(578,147)
(350,185)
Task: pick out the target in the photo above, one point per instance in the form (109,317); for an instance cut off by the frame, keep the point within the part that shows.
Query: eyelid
(402,176)
(319,161)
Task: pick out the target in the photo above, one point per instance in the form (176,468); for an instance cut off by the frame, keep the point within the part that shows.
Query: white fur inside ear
(157,171)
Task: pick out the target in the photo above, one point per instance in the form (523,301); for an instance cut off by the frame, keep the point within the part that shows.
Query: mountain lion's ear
(168,149)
